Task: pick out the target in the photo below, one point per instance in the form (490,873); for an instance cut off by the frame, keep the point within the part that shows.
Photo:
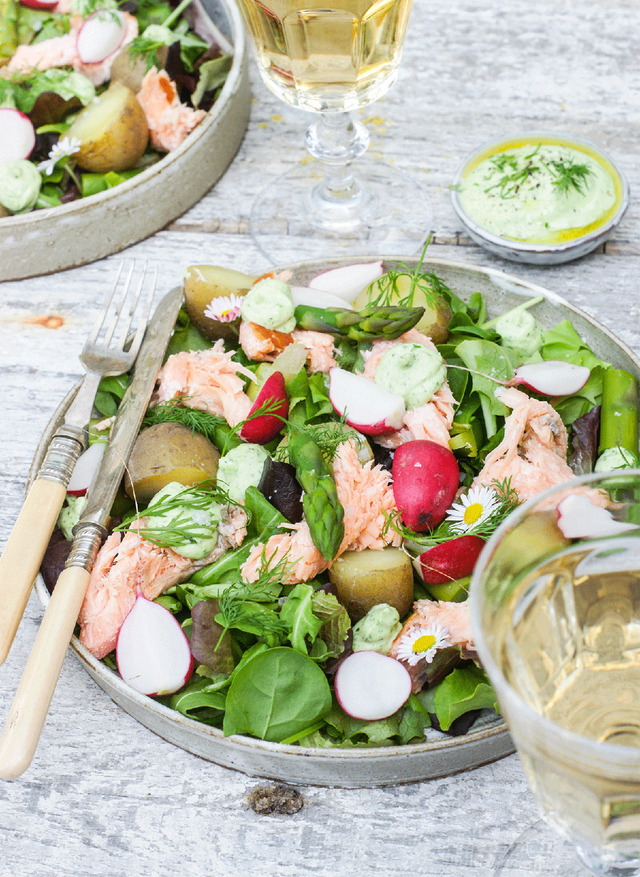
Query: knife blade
(33,695)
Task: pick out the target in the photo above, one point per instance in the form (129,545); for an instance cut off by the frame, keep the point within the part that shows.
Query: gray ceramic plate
(91,228)
(351,768)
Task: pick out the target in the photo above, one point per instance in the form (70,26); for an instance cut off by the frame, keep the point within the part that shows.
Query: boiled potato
(437,314)
(112,131)
(168,452)
(365,578)
(131,71)
(202,283)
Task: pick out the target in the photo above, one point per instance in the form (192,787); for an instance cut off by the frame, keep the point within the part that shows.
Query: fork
(110,349)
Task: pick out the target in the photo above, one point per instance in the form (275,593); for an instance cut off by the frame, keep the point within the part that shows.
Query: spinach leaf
(464,689)
(203,700)
(276,694)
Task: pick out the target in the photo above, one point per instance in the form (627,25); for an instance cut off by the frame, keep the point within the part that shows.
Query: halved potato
(112,131)
(168,452)
(365,578)
(203,283)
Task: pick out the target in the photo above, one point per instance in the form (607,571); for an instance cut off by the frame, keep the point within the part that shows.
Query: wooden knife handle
(33,696)
(23,553)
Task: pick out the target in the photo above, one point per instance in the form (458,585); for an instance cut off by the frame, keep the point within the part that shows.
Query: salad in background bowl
(304,546)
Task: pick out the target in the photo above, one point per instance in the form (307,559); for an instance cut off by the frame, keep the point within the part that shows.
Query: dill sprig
(394,280)
(175,411)
(569,175)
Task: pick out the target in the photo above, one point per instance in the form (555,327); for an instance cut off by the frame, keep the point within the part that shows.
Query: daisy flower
(474,508)
(65,147)
(422,643)
(224,308)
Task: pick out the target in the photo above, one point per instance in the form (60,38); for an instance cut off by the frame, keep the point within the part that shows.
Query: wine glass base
(540,851)
(393,216)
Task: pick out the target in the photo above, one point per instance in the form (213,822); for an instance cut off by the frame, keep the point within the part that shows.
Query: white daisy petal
(224,308)
(421,643)
(474,508)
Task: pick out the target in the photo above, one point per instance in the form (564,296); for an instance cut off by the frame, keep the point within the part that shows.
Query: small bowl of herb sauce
(540,198)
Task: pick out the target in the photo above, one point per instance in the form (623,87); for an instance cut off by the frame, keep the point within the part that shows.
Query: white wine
(328,56)
(570,641)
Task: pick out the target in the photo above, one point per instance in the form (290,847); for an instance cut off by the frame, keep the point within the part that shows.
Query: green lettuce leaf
(297,614)
(464,689)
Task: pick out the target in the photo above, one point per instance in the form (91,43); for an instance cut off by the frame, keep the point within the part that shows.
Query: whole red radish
(450,560)
(261,428)
(425,481)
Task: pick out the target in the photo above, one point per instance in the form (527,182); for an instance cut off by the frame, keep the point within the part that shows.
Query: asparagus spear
(8,29)
(619,417)
(322,510)
(372,323)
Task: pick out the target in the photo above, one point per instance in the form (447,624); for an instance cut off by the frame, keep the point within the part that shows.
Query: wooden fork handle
(23,553)
(33,696)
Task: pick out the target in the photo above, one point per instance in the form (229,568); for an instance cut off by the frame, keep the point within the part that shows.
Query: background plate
(488,740)
(91,228)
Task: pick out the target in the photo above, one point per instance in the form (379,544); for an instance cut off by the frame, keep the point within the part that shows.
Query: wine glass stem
(336,140)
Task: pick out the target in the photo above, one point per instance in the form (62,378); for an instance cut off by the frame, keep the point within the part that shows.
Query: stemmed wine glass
(555,609)
(331,58)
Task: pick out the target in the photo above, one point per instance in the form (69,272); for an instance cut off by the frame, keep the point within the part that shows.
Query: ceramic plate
(91,228)
(487,741)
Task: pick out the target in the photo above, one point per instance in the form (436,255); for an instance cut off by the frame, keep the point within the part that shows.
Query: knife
(33,695)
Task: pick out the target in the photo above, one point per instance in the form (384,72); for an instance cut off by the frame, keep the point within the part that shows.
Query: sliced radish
(579,518)
(348,281)
(152,651)
(85,469)
(450,560)
(17,135)
(100,35)
(40,4)
(371,686)
(261,428)
(316,298)
(367,407)
(554,377)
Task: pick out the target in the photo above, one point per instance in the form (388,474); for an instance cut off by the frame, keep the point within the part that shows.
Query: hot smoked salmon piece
(123,563)
(209,380)
(533,452)
(264,345)
(169,120)
(365,494)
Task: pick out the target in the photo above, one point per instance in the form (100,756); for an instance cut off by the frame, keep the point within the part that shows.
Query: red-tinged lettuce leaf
(585,435)
(210,644)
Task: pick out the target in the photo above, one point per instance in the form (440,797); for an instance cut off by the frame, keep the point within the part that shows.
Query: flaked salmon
(209,380)
(264,345)
(169,120)
(533,452)
(366,495)
(124,563)
(431,421)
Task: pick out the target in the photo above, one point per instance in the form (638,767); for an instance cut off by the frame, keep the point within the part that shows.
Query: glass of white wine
(331,57)
(555,607)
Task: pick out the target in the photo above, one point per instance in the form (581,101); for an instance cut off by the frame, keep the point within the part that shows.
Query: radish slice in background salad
(152,652)
(100,36)
(579,518)
(316,298)
(371,686)
(348,281)
(17,135)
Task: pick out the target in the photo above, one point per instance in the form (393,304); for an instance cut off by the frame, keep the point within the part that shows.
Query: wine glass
(331,57)
(555,609)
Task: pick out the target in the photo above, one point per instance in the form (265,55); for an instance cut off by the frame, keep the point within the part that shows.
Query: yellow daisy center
(423,643)
(472,513)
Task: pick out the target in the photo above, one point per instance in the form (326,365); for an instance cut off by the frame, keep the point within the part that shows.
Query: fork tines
(125,309)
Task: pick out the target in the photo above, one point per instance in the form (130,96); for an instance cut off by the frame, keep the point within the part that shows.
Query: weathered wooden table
(104,796)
